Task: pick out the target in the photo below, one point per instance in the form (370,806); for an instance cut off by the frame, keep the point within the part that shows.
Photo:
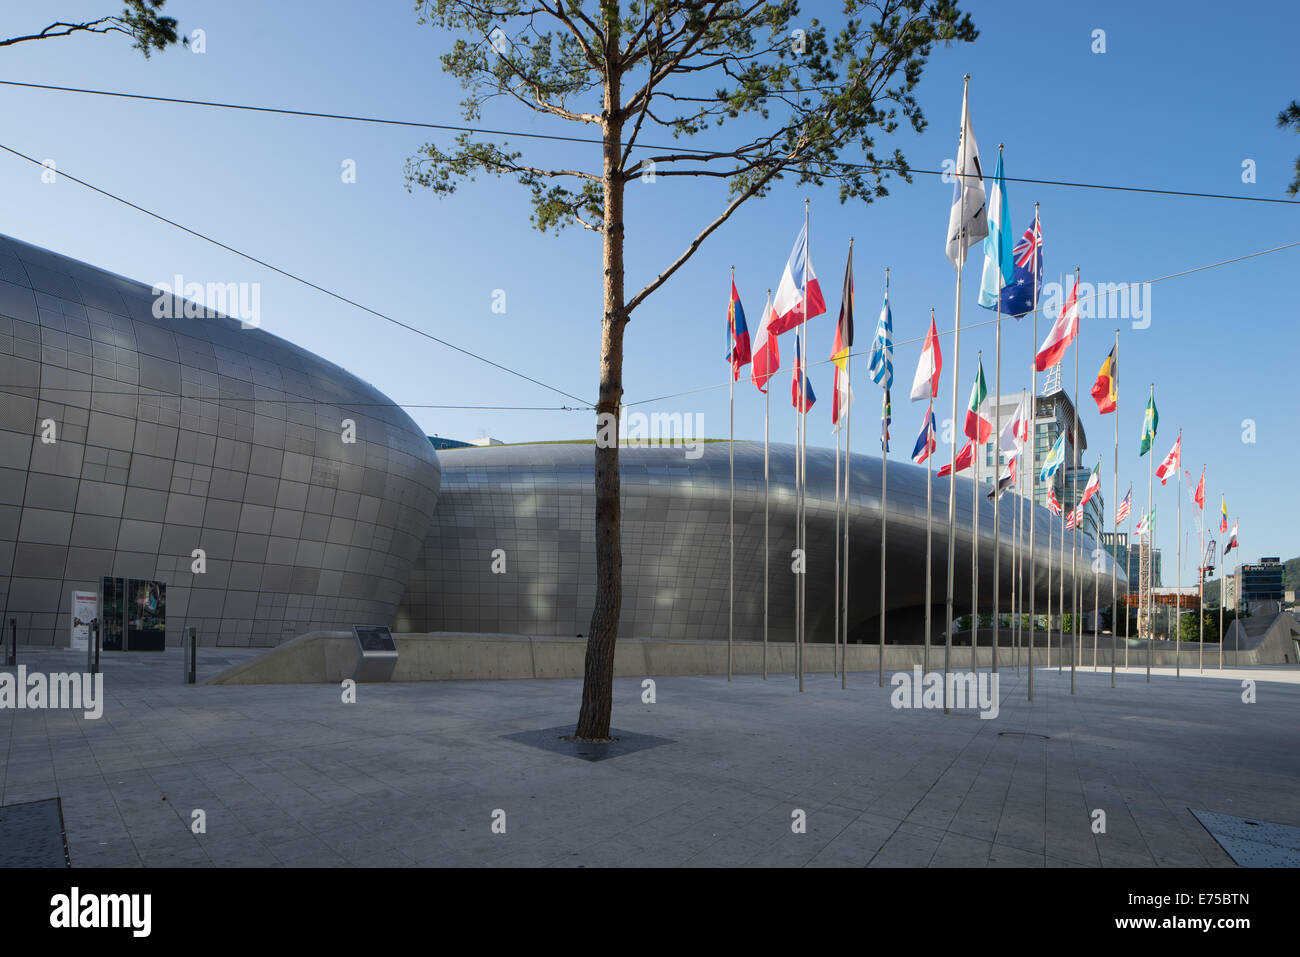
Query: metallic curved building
(175,434)
(536,504)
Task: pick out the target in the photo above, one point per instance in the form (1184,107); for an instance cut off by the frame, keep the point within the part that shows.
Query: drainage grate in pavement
(1023,734)
(1253,843)
(31,835)
(552,739)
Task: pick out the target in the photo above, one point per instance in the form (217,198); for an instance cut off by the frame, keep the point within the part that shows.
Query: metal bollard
(92,648)
(11,646)
(191,656)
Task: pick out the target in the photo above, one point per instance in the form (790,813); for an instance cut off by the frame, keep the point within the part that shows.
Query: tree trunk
(598,671)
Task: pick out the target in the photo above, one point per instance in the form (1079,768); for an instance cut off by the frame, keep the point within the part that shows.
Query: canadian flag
(1170,465)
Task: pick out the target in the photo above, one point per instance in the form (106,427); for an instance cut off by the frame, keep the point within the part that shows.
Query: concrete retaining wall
(332,656)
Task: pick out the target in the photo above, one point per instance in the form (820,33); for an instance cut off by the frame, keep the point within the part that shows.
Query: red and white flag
(765,356)
(926,384)
(1075,516)
(1016,432)
(788,306)
(1232,540)
(964,459)
(1063,332)
(1170,465)
(1052,503)
(1199,496)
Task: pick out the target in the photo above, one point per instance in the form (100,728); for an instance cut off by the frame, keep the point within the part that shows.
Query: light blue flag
(1055,459)
(882,349)
(999,264)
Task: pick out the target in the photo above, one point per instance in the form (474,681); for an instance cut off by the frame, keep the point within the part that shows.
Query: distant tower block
(1052,380)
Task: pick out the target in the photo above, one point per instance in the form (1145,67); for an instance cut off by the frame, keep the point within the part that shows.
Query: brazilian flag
(1149,423)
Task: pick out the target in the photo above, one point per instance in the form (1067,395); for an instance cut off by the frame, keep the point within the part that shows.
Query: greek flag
(882,349)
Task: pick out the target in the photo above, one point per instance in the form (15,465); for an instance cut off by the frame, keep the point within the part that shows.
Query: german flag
(1106,389)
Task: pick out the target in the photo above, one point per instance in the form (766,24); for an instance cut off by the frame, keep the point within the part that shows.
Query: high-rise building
(1260,586)
(1053,413)
(1118,549)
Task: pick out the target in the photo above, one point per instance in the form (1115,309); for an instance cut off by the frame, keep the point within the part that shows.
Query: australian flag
(1020,296)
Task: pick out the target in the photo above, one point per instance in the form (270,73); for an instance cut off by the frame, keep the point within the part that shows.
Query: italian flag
(978,427)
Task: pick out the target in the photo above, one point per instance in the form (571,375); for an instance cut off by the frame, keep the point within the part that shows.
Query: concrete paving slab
(411,773)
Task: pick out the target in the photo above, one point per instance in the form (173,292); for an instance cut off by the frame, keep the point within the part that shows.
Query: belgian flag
(1106,389)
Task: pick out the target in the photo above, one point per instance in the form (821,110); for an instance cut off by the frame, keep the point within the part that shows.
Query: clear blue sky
(1181,97)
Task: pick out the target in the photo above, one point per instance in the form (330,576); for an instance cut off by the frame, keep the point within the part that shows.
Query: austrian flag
(1062,334)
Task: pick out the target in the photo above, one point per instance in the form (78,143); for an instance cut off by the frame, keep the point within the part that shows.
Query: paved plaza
(416,773)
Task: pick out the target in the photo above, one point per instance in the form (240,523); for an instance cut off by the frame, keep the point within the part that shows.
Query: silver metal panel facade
(536,504)
(185,433)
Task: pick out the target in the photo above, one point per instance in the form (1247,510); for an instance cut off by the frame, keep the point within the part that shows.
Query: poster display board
(85,608)
(134,615)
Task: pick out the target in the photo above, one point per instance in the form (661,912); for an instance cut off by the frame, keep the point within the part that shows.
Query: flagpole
(1128,566)
(1200,595)
(835,655)
(1151,454)
(1114,566)
(798,500)
(1049,584)
(1222,582)
(997,468)
(731,503)
(1025,405)
(803,448)
(848,461)
(884,484)
(844,337)
(977,450)
(1178,591)
(1076,600)
(929,532)
(1017,582)
(767,410)
(956,361)
(1033,474)
(1060,579)
(1096,611)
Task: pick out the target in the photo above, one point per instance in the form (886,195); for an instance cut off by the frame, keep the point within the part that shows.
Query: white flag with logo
(969,205)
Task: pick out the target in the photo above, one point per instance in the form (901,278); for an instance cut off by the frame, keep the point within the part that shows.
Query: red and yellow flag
(1106,389)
